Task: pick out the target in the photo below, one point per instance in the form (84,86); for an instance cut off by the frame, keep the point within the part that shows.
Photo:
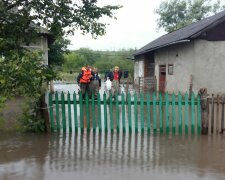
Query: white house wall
(181,57)
(209,66)
(203,60)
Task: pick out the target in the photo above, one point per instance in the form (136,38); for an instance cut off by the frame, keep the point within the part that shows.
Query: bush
(30,121)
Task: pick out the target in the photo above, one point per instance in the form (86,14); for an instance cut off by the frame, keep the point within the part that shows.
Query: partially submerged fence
(216,113)
(163,113)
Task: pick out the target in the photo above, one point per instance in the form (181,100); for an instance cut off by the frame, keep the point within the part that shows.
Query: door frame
(162,78)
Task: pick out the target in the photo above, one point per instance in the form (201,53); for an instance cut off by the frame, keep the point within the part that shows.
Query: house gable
(215,34)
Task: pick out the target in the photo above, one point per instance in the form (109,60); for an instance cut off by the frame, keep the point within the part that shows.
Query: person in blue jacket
(95,84)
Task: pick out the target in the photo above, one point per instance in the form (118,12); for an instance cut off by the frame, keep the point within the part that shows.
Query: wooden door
(162,78)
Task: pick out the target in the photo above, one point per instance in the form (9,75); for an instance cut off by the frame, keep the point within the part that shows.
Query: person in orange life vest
(115,77)
(84,80)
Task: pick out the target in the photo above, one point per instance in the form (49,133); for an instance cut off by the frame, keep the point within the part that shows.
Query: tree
(74,62)
(175,14)
(57,50)
(22,21)
(89,55)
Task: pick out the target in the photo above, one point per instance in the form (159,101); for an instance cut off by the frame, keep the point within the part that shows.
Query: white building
(188,59)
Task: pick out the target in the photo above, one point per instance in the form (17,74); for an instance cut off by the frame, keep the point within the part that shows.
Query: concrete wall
(41,44)
(11,113)
(203,60)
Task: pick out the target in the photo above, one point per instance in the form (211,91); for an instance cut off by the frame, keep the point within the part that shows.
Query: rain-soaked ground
(110,156)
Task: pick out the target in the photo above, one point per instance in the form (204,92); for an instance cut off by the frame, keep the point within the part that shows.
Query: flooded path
(111,156)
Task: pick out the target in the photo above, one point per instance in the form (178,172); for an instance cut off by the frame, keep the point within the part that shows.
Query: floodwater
(111,156)
(108,156)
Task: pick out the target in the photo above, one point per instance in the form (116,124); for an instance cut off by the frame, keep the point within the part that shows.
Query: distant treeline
(103,60)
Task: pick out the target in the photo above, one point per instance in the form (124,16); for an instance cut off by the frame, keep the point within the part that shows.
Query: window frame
(170,69)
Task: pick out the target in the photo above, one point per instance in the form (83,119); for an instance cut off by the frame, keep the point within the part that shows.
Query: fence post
(154,113)
(105,113)
(148,113)
(111,113)
(129,112)
(186,96)
(57,111)
(51,112)
(87,112)
(173,115)
(75,112)
(199,114)
(222,123)
(136,113)
(167,114)
(123,113)
(99,113)
(142,112)
(160,113)
(93,113)
(63,112)
(117,114)
(81,112)
(204,110)
(193,113)
(69,112)
(180,112)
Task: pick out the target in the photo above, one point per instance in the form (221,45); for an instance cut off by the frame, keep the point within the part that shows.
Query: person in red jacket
(115,77)
(84,79)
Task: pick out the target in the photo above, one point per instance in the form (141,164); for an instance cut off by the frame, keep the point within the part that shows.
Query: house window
(170,69)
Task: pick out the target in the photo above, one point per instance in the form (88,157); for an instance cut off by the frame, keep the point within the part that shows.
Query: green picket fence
(167,113)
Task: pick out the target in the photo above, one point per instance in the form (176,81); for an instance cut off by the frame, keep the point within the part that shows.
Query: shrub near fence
(134,113)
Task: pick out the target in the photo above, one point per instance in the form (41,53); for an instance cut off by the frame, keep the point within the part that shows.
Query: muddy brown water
(111,156)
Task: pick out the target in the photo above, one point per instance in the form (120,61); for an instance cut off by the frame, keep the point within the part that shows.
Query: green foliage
(22,71)
(175,14)
(30,122)
(58,17)
(2,103)
(24,74)
(73,61)
(103,60)
(57,50)
(21,22)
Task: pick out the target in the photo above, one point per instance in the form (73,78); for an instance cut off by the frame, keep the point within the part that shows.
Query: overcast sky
(135,27)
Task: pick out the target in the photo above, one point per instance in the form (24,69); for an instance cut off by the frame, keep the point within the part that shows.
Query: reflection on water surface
(111,156)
